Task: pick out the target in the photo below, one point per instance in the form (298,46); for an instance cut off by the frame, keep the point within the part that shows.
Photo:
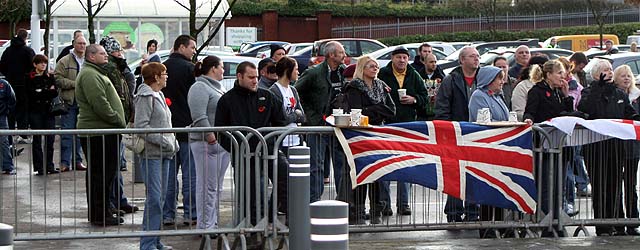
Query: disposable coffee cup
(338,112)
(355,117)
(484,116)
(402,92)
(513,116)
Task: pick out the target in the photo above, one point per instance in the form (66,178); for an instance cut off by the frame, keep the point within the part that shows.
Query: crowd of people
(101,92)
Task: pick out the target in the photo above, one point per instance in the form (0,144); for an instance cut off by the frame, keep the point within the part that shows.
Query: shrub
(622,30)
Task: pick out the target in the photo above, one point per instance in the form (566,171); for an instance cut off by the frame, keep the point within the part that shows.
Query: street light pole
(35,27)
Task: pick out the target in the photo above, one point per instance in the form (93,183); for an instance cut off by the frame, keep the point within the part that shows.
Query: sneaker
(168,222)
(23,140)
(9,172)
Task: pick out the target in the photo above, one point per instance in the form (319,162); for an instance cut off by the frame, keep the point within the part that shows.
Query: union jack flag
(480,164)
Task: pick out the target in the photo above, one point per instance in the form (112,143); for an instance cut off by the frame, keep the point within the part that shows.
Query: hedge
(344,9)
(622,30)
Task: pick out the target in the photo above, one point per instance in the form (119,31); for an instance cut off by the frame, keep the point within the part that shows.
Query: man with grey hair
(452,104)
(100,108)
(522,59)
(317,87)
(67,70)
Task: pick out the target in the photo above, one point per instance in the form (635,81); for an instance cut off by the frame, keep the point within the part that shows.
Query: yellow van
(579,43)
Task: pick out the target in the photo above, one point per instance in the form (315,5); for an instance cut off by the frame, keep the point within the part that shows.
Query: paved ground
(56,204)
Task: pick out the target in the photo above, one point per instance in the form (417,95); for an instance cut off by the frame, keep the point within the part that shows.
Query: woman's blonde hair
(359,73)
(625,69)
(538,74)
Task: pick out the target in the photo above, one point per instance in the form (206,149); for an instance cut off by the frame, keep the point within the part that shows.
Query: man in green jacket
(100,108)
(317,87)
(399,75)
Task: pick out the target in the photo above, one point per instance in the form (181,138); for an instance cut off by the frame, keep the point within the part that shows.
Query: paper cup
(338,111)
(513,116)
(355,117)
(402,92)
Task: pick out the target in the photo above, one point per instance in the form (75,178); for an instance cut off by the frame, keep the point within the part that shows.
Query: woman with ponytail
(210,159)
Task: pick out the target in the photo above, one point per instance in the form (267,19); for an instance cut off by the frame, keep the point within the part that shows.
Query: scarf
(377,91)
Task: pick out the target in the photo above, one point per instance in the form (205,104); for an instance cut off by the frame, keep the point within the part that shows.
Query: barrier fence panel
(51,206)
(600,189)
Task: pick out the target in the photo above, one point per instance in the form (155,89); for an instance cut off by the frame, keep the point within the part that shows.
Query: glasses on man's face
(473,56)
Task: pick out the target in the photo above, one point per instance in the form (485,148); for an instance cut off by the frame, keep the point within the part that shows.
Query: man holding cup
(409,94)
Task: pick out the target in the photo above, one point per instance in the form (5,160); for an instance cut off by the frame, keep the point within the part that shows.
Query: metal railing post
(299,192)
(6,237)
(329,225)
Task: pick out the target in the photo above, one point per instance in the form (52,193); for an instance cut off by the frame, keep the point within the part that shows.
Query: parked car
(581,42)
(629,58)
(164,55)
(354,47)
(459,45)
(261,48)
(244,47)
(446,48)
(289,48)
(383,56)
(487,58)
(451,61)
(302,57)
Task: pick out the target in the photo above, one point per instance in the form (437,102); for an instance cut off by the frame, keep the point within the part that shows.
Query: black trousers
(103,164)
(256,182)
(604,162)
(630,195)
(20,113)
(42,120)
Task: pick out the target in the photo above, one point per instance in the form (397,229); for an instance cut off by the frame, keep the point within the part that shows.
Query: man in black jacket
(180,71)
(452,104)
(14,65)
(247,105)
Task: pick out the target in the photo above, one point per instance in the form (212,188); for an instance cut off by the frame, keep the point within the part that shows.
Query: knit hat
(400,49)
(275,47)
(349,71)
(110,44)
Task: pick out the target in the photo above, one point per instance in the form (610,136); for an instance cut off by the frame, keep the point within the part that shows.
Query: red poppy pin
(168,101)
(32,74)
(261,109)
(548,94)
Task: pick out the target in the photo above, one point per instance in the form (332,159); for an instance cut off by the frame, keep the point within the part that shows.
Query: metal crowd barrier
(54,206)
(599,181)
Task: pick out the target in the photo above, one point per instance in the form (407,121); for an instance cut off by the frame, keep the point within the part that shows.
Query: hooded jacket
(16,62)
(153,112)
(482,97)
(203,100)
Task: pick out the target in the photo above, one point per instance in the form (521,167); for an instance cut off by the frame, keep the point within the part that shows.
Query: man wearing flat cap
(398,74)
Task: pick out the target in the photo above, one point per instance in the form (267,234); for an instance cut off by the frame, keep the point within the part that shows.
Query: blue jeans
(7,159)
(581,177)
(66,141)
(402,197)
(117,197)
(123,159)
(156,174)
(570,180)
(183,160)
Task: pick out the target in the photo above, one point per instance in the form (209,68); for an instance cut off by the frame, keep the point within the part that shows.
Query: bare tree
(48,4)
(600,9)
(194,29)
(92,9)
(14,11)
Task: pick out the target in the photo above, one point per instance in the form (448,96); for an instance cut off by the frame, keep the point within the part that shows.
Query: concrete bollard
(298,196)
(329,225)
(6,237)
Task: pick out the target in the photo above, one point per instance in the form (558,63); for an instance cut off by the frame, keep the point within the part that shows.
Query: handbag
(134,142)
(58,107)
